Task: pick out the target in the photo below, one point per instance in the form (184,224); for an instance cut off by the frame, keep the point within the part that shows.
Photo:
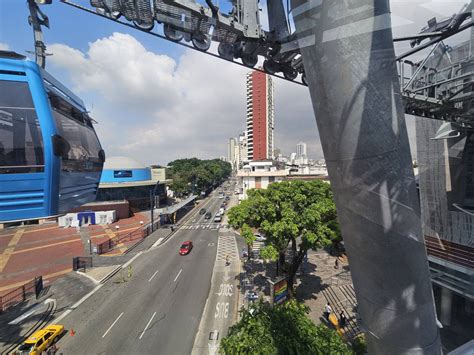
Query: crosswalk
(227,246)
(256,247)
(211,226)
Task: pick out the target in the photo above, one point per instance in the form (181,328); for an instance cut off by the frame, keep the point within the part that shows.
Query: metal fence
(22,293)
(137,234)
(81,262)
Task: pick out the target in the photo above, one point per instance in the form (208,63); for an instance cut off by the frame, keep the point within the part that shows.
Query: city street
(155,310)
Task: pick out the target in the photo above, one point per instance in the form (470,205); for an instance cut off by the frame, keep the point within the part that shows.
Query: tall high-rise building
(301,150)
(231,151)
(260,116)
(242,149)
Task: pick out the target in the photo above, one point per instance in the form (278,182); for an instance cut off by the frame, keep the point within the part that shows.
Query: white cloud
(151,107)
(156,109)
(4,46)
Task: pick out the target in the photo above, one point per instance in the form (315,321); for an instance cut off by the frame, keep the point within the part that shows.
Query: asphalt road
(155,311)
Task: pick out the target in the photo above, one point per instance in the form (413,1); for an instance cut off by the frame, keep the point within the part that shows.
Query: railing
(81,262)
(139,233)
(449,251)
(22,293)
(110,244)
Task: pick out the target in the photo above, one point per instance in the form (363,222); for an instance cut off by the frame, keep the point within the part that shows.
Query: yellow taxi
(40,340)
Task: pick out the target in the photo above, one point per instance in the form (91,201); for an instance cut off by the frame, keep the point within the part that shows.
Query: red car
(185,247)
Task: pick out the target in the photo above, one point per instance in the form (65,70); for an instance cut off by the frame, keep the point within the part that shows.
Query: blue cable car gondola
(50,157)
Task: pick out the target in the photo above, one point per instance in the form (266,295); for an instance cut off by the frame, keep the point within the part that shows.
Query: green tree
(249,237)
(193,175)
(293,214)
(283,329)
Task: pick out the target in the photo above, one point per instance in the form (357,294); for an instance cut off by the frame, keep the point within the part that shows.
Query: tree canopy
(283,329)
(203,174)
(298,214)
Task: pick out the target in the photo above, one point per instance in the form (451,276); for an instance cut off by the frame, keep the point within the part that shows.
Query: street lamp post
(152,204)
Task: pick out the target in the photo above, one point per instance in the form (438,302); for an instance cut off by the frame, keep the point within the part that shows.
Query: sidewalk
(320,283)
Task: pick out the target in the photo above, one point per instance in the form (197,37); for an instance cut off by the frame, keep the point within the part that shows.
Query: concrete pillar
(446,305)
(468,307)
(350,67)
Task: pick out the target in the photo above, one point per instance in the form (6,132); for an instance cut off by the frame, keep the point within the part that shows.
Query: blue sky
(157,101)
(67,25)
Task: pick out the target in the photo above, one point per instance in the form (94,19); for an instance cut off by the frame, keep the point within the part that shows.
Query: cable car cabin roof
(54,89)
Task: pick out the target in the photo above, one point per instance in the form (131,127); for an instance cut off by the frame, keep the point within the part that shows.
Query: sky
(156,101)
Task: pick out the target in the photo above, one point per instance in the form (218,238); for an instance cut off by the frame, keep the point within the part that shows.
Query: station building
(127,179)
(126,186)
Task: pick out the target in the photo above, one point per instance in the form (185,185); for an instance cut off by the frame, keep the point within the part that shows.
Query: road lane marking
(158,242)
(144,330)
(152,276)
(108,330)
(131,260)
(179,273)
(222,310)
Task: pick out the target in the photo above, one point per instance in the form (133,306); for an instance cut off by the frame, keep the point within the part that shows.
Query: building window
(119,174)
(84,152)
(21,143)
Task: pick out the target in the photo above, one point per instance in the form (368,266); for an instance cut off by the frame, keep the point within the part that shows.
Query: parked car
(41,340)
(208,215)
(185,247)
(202,211)
(252,296)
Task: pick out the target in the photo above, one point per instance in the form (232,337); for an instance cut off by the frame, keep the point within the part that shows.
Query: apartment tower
(260,116)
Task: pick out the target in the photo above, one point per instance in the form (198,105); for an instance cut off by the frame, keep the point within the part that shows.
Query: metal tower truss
(239,32)
(441,86)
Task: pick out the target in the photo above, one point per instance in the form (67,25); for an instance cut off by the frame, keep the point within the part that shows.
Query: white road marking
(158,242)
(131,260)
(179,273)
(24,316)
(144,330)
(64,314)
(108,330)
(89,277)
(152,276)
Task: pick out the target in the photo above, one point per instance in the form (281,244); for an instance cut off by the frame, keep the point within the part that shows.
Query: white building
(258,175)
(292,158)
(242,158)
(231,152)
(301,150)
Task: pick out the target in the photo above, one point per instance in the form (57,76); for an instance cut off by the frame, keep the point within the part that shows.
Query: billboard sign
(279,291)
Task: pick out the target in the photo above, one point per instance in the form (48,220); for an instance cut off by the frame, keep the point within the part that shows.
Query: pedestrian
(227,260)
(328,311)
(336,264)
(342,319)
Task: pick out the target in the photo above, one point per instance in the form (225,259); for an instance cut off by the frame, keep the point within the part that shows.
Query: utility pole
(152,205)
(350,67)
